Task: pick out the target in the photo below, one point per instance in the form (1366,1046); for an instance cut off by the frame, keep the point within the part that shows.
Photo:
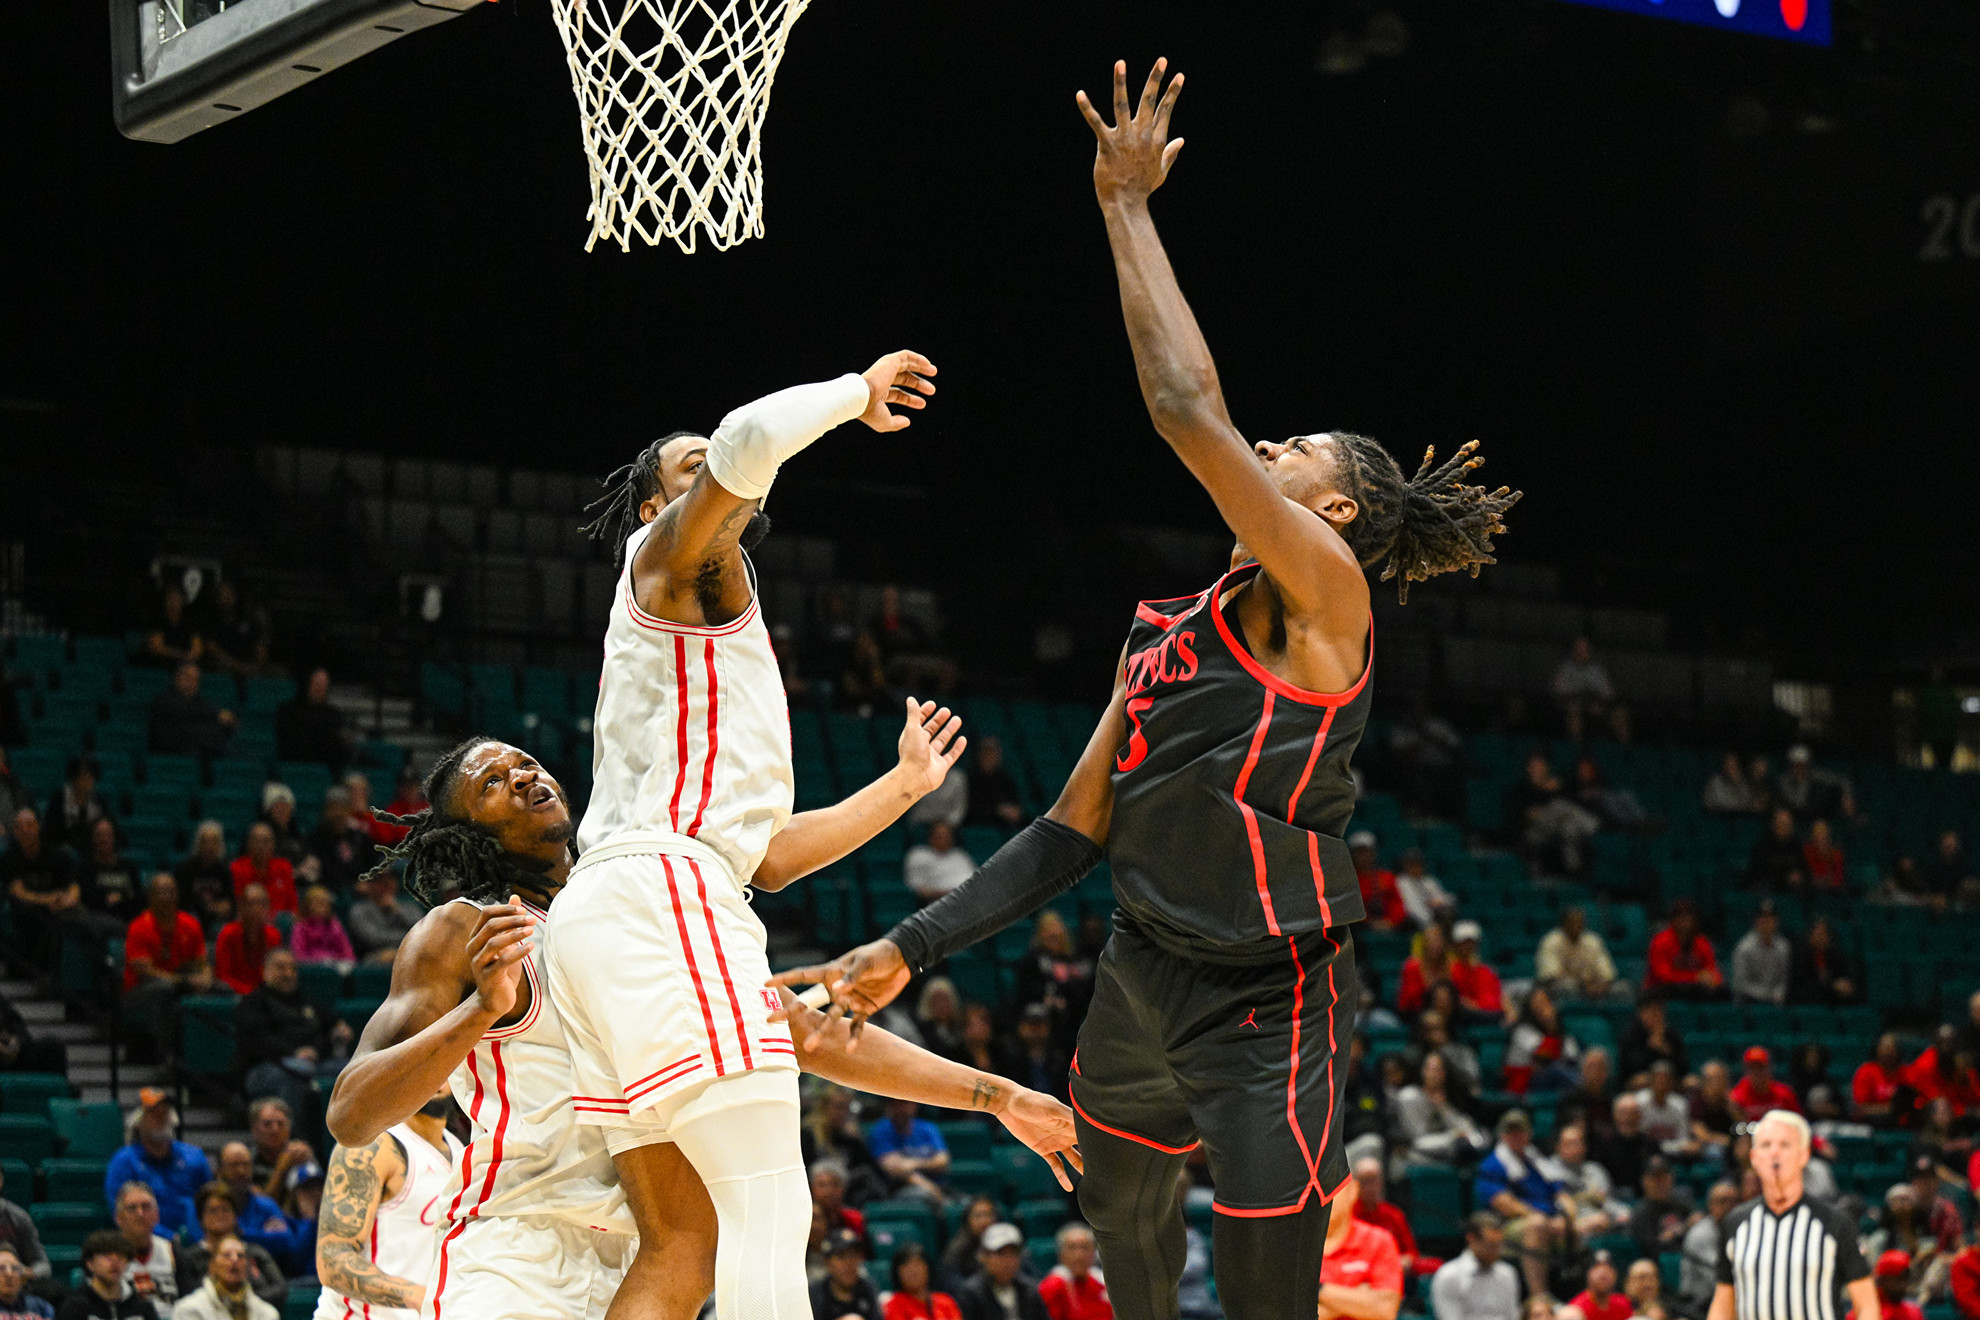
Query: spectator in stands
(1587,1184)
(244,943)
(1477,985)
(1373,1206)
(1777,861)
(154,1267)
(1592,1092)
(1682,962)
(1942,1069)
(1378,884)
(938,1015)
(340,843)
(21,1052)
(1429,966)
(233,637)
(1729,792)
(1902,1227)
(42,890)
(1433,1034)
(1600,1300)
(1621,1145)
(173,640)
(1430,1126)
(110,880)
(1428,755)
(998,1292)
(278,812)
(1810,793)
(1073,1291)
(105,1292)
(1666,1212)
(1822,860)
(206,882)
(828,1193)
(1666,1113)
(259,865)
(1361,1273)
(910,1151)
(1477,1285)
(171,1168)
(994,798)
(76,806)
(379,921)
(225,1293)
(1554,828)
(1759,1090)
(164,957)
(274,1149)
(1616,808)
(285,1042)
(845,1290)
(318,937)
(1874,1088)
(1963,1275)
(1055,974)
(309,728)
(915,1298)
(16,1302)
(831,1131)
(1713,1113)
(949,802)
(1893,1276)
(1582,687)
(1644,1286)
(1424,897)
(1033,1059)
(1698,1271)
(1648,1038)
(1514,1182)
(261,1218)
(959,1259)
(1760,960)
(1822,971)
(185,723)
(1940,1215)
(1947,872)
(1573,959)
(19,1235)
(1541,1054)
(933,868)
(365,817)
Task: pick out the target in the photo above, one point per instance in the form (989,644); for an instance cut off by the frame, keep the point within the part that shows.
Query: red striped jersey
(529,1155)
(405,1233)
(691,733)
(1231,789)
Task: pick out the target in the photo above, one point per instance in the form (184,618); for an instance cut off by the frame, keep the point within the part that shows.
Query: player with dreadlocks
(535,1226)
(1218,782)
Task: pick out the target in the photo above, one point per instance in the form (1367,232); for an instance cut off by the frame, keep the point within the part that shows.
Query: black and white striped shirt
(1790,1266)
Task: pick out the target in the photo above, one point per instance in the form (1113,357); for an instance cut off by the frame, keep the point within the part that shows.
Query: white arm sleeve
(753,441)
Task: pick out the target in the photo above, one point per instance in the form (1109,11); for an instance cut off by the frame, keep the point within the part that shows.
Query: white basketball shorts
(524,1267)
(657,966)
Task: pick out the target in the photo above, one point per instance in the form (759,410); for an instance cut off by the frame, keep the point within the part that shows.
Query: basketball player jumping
(536,1227)
(378,1237)
(1218,782)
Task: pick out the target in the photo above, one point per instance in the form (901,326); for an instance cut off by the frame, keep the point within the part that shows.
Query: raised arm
(360,1178)
(928,747)
(1308,560)
(458,974)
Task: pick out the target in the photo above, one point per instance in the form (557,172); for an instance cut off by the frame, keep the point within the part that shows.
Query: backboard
(180,66)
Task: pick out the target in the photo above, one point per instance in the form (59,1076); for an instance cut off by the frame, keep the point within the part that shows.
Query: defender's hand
(861,983)
(1135,154)
(496,948)
(1046,1126)
(929,746)
(896,378)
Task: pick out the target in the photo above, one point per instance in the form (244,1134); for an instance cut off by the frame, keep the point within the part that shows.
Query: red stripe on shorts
(721,962)
(701,993)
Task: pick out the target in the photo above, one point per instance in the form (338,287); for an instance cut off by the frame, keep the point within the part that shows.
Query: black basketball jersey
(1231,788)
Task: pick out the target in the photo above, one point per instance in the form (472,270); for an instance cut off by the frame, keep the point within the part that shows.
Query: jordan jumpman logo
(1250,1020)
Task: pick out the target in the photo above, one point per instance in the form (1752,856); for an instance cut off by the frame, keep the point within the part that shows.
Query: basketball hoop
(673,95)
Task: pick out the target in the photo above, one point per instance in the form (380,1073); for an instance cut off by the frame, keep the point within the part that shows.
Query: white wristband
(754,441)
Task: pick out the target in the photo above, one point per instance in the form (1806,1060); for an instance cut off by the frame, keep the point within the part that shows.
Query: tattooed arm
(886,1065)
(361,1179)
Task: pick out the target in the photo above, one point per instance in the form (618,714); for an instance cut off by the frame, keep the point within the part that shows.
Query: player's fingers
(905,399)
(1121,115)
(801,975)
(909,360)
(1058,1170)
(1151,87)
(913,381)
(954,753)
(942,736)
(1072,1156)
(897,422)
(1093,119)
(934,719)
(1167,106)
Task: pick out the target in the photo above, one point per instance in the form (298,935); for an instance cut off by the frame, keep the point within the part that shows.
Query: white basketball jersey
(692,735)
(529,1156)
(405,1233)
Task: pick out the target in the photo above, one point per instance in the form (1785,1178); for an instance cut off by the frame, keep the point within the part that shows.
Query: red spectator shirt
(1966,1281)
(1753,1101)
(1924,1077)
(1872,1085)
(279,880)
(1381,898)
(1367,1258)
(1825,869)
(1413,986)
(1477,986)
(1067,1298)
(145,940)
(941,1306)
(1390,1217)
(1618,1307)
(1673,965)
(847,1218)
(238,965)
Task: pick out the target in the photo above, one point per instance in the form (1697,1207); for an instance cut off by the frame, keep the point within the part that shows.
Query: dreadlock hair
(634,484)
(1432,523)
(441,845)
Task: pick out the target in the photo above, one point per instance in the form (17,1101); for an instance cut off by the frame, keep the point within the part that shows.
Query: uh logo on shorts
(1170,660)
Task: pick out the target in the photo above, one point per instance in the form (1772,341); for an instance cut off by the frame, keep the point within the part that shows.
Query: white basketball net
(673,95)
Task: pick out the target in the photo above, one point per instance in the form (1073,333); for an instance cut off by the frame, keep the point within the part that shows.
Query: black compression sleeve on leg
(1129,1197)
(1042,862)
(1269,1268)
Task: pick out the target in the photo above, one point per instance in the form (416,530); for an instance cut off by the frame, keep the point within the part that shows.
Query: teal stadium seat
(206,1025)
(67,1223)
(29,1093)
(26,1137)
(73,1179)
(87,1130)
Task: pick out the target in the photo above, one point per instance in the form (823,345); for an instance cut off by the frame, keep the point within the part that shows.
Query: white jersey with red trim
(529,1156)
(405,1233)
(692,735)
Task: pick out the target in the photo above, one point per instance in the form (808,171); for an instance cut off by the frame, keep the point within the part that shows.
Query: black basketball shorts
(1248,1061)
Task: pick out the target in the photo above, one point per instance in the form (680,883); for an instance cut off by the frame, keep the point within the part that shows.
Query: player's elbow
(1182,404)
(345,1118)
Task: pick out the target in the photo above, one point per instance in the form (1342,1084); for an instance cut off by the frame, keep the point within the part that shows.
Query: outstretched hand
(1046,1126)
(501,939)
(929,745)
(1135,152)
(898,378)
(861,982)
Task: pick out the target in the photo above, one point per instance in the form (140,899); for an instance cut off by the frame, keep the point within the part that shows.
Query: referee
(1785,1255)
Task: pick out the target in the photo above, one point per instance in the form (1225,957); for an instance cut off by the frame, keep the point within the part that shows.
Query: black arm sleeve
(1042,862)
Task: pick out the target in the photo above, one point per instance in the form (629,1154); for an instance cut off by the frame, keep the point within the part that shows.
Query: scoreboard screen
(1792,20)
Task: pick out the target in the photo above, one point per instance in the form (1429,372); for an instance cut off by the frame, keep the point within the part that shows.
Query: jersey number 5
(1137,744)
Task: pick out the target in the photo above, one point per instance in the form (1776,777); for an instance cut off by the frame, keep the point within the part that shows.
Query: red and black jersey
(1231,789)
